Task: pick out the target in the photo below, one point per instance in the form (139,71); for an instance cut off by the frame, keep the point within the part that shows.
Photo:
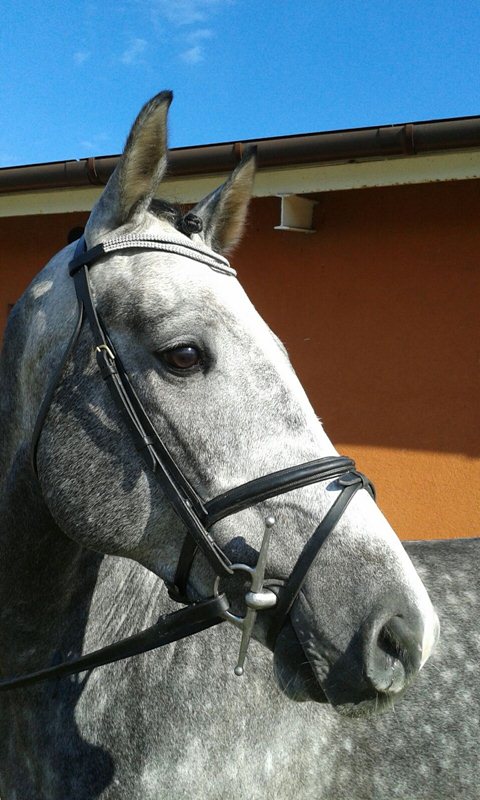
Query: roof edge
(408,139)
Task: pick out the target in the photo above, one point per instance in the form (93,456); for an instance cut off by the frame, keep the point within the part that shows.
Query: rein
(197,515)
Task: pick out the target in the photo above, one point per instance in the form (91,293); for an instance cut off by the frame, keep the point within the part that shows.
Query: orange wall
(379,312)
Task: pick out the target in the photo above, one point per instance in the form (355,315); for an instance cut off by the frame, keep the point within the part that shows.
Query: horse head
(221,394)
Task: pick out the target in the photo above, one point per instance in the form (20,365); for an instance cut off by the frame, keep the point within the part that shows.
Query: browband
(129,241)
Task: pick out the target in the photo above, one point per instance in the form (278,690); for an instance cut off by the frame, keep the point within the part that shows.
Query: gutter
(347,145)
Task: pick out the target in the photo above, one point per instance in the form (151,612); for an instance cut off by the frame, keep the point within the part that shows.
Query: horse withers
(90,535)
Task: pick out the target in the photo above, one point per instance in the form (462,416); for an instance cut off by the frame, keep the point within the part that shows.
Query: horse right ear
(223,212)
(138,173)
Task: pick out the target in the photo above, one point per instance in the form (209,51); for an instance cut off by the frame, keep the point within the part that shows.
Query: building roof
(355,158)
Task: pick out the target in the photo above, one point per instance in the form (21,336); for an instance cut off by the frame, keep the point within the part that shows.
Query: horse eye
(183,357)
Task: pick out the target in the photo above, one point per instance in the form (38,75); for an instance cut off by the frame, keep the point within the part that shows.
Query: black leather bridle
(197,515)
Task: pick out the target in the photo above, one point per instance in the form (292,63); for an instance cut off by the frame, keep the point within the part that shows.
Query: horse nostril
(395,654)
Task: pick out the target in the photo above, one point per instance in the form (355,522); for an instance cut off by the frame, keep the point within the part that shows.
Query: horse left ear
(224,211)
(138,173)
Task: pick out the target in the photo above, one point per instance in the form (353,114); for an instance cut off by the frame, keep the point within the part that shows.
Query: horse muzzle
(380,661)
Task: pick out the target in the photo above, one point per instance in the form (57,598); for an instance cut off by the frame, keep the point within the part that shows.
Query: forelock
(169,212)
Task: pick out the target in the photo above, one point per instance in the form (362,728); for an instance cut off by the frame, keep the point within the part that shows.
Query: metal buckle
(106,348)
(257,598)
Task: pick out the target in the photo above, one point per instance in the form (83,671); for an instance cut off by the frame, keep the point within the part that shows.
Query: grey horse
(426,748)
(87,544)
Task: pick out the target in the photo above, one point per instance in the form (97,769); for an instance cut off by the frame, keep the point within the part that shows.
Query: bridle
(197,515)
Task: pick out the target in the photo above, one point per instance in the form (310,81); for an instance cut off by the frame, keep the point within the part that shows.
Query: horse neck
(41,571)
(59,599)
(46,580)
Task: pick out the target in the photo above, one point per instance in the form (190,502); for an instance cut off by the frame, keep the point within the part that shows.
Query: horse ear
(224,211)
(139,171)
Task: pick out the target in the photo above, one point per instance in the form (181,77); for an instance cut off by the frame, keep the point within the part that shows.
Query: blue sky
(74,74)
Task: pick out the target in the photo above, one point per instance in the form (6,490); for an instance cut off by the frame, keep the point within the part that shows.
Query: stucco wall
(379,311)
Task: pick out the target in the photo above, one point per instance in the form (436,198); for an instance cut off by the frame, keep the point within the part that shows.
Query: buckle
(105,360)
(350,479)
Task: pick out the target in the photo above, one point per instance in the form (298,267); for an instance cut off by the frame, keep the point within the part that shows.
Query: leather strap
(169,628)
(248,494)
(351,483)
(285,480)
(177,489)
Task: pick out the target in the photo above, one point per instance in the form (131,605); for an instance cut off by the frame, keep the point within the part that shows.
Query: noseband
(197,515)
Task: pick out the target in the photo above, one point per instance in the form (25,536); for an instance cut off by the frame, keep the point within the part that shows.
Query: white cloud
(132,54)
(81,56)
(199,35)
(189,17)
(193,55)
(186,12)
(196,52)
